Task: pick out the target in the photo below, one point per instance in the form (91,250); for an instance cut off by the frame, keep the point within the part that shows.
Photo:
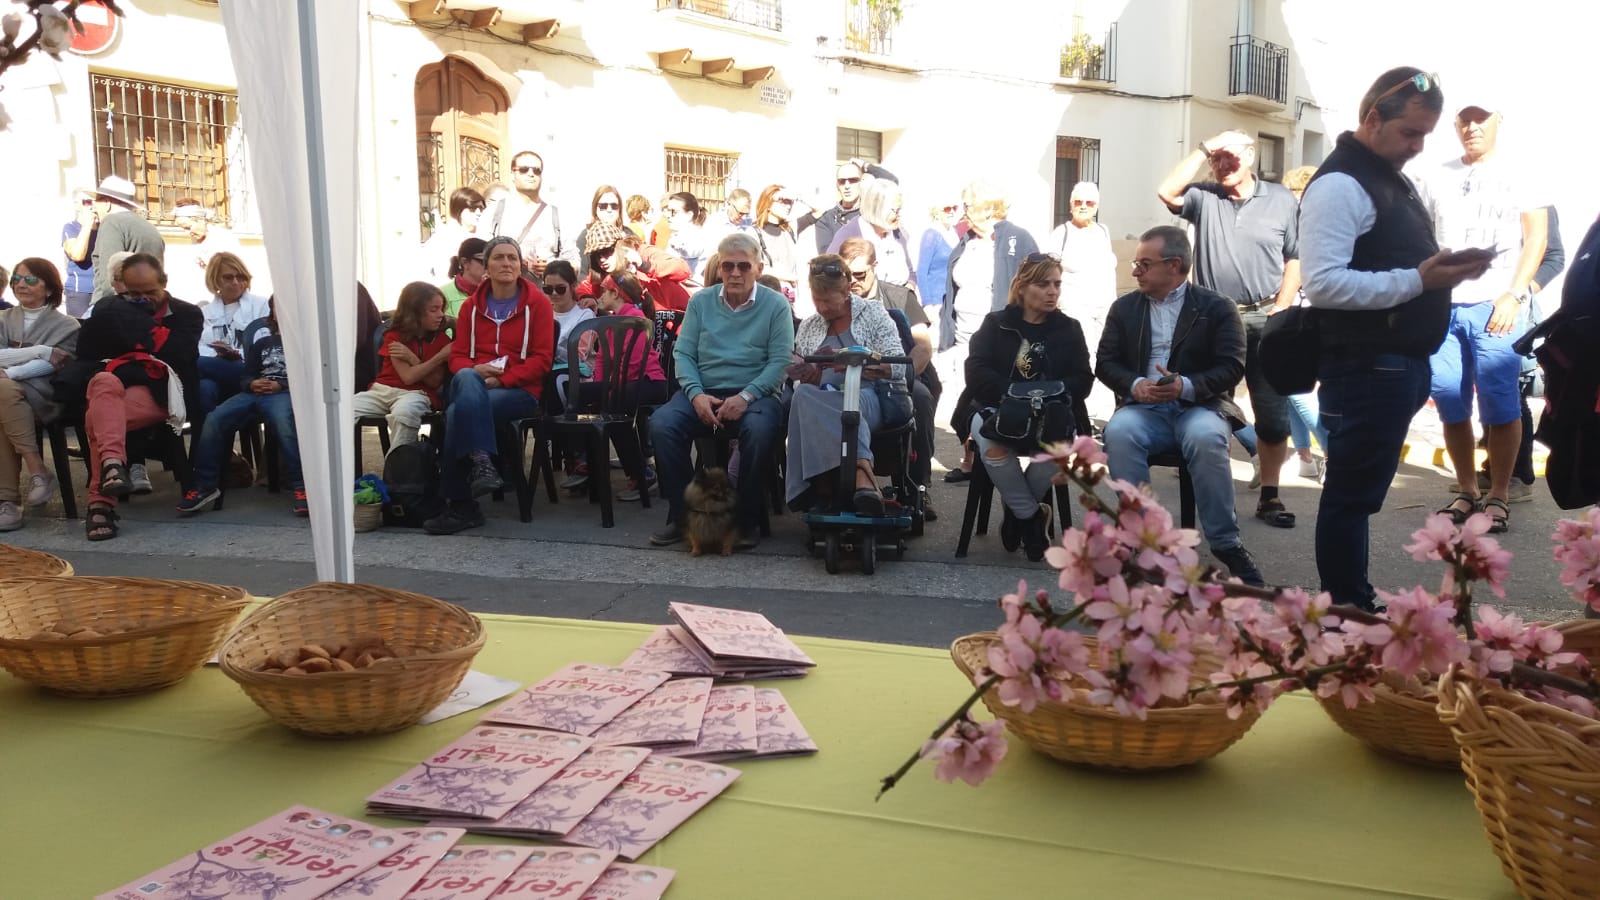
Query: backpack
(1291,350)
(412,473)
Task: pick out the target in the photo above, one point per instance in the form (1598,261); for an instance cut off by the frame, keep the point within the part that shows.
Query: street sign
(771,95)
(100,26)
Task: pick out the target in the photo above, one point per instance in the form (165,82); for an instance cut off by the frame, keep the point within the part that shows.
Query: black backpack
(412,473)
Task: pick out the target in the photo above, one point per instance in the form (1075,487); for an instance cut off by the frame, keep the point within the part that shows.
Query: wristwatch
(747,397)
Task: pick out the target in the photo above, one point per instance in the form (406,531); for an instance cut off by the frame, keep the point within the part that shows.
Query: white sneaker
(1519,491)
(1311,468)
(10,516)
(41,488)
(1255,472)
(139,479)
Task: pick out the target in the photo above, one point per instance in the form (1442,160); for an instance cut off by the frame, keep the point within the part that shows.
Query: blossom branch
(889,781)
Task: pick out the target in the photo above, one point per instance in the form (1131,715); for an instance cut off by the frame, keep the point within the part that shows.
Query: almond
(286,658)
(349,653)
(364,660)
(294,670)
(340,665)
(317,664)
(308,651)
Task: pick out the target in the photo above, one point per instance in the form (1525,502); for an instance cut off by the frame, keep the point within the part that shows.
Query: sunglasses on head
(730,266)
(29,280)
(1422,81)
(557,290)
(604,205)
(844,181)
(528,170)
(832,270)
(1033,259)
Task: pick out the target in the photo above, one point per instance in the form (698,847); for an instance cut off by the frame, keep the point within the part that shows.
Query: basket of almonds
(101,637)
(340,660)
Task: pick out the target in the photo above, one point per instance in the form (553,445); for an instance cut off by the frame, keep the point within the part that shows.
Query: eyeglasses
(88,202)
(476,209)
(832,270)
(527,170)
(782,201)
(859,276)
(952,208)
(604,205)
(556,290)
(1089,203)
(234,276)
(1033,259)
(1139,265)
(1422,81)
(729,266)
(845,181)
(29,280)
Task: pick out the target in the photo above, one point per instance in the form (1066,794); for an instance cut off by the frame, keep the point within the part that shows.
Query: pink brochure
(649,804)
(669,715)
(729,728)
(470,872)
(394,877)
(579,698)
(565,799)
(482,774)
(628,882)
(735,634)
(552,872)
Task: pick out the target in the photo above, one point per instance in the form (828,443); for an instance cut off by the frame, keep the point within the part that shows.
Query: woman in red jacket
(504,343)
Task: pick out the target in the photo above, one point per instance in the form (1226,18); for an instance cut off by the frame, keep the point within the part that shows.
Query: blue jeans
(1141,430)
(219,380)
(473,416)
(216,437)
(1304,421)
(1367,407)
(673,429)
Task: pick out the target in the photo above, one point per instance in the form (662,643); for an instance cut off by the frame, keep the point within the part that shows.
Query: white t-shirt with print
(1480,206)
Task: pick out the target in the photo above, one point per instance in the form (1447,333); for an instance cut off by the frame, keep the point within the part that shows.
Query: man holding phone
(1478,200)
(1381,286)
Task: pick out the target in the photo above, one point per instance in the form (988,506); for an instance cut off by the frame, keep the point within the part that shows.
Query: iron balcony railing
(869,27)
(1085,59)
(1258,68)
(766,14)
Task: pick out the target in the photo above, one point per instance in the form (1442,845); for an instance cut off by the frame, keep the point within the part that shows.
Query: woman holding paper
(503,348)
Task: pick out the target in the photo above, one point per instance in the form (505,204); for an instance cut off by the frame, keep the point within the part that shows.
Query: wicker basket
(16,561)
(1582,635)
(368,516)
(436,640)
(1093,736)
(1534,772)
(155,632)
(1398,725)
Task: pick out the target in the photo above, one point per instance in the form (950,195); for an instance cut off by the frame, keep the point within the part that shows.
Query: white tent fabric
(297,63)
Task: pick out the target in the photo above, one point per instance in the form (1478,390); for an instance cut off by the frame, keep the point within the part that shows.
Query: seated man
(861,259)
(734,342)
(1171,352)
(504,344)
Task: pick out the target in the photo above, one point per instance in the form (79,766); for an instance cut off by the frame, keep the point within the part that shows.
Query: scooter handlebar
(855,356)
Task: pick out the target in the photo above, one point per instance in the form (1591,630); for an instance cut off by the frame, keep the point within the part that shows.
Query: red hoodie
(527,339)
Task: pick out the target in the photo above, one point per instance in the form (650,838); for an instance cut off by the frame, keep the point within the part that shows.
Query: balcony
(1085,60)
(763,14)
(1258,73)
(869,26)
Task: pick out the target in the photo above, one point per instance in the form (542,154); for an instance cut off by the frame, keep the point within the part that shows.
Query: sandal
(100,523)
(114,479)
(1274,513)
(1457,515)
(1498,524)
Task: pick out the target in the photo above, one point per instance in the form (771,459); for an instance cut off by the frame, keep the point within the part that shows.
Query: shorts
(1472,357)
(1271,408)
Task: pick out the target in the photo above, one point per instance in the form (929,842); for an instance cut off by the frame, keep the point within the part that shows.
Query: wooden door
(461,132)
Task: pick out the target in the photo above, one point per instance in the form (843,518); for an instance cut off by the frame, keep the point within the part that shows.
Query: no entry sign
(100,26)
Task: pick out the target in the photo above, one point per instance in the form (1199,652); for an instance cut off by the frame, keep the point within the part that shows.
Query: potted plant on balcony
(1081,57)
(870,24)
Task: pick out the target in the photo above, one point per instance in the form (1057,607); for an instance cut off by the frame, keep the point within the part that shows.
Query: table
(97,792)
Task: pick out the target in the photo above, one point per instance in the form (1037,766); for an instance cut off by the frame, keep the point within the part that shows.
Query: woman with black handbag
(1028,370)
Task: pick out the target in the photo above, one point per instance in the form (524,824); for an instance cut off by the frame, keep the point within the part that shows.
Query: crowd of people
(501,325)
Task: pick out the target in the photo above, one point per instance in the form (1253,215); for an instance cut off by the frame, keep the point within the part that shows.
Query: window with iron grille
(708,176)
(854,143)
(173,142)
(1269,157)
(1077,159)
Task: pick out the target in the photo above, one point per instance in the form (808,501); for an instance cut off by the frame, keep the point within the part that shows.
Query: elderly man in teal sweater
(733,345)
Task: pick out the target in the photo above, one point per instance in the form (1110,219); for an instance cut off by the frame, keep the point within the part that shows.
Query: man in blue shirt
(77,242)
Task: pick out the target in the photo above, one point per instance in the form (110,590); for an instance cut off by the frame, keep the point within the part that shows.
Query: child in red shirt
(413,359)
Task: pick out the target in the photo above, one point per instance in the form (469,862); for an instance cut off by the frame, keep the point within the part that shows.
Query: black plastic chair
(980,497)
(610,419)
(434,420)
(1186,517)
(56,434)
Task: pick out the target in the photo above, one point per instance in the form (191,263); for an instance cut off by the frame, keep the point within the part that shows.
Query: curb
(1428,455)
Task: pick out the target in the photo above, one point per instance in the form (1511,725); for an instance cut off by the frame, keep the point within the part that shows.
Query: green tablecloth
(96,793)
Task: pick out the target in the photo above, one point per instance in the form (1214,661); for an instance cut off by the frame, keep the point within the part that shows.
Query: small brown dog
(708,504)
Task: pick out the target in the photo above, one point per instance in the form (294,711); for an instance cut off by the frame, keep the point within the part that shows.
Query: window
(1077,159)
(461,128)
(854,143)
(1269,157)
(173,142)
(708,176)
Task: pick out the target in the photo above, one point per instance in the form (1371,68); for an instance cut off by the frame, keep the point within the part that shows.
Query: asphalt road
(564,564)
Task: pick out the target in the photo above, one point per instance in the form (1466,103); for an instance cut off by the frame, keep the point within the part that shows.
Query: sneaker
(747,542)
(41,488)
(10,516)
(577,478)
(301,508)
(1519,492)
(1255,472)
(197,501)
(458,515)
(630,494)
(483,479)
(1240,563)
(957,476)
(1311,469)
(667,536)
(1034,530)
(139,478)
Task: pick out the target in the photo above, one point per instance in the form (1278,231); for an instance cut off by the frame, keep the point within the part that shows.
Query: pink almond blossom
(1578,551)
(1420,633)
(967,750)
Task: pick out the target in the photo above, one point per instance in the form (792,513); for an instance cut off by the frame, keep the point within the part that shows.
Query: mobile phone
(1165,380)
(1472,254)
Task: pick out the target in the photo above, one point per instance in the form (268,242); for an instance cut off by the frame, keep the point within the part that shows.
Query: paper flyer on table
(477,689)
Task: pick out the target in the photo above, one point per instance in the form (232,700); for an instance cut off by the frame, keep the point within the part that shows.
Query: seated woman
(644,382)
(841,320)
(264,395)
(231,310)
(466,273)
(503,348)
(561,285)
(135,369)
(1029,340)
(36,339)
(415,354)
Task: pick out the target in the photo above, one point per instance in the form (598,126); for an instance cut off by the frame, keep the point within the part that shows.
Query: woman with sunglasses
(466,208)
(605,208)
(775,221)
(36,339)
(933,252)
(1029,340)
(879,223)
(842,320)
(230,310)
(466,273)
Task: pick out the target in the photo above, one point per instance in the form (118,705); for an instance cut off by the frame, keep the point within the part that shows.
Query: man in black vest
(1370,265)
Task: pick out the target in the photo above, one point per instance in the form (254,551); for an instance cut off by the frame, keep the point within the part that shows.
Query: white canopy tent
(298,65)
